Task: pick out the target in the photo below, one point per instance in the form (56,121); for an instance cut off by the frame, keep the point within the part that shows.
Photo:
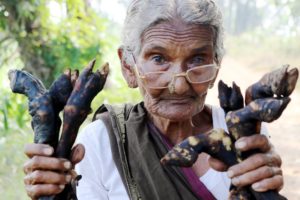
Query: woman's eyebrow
(155,48)
(202,49)
(150,48)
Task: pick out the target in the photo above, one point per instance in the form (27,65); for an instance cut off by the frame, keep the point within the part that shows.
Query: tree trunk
(25,30)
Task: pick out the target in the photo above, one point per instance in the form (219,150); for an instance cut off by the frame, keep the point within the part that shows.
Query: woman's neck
(177,131)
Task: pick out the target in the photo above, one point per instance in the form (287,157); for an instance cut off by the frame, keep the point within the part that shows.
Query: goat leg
(87,86)
(278,83)
(40,106)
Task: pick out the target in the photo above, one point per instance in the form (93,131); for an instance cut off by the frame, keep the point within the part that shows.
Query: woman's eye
(158,59)
(198,60)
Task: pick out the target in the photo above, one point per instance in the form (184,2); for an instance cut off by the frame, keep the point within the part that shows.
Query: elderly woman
(172,50)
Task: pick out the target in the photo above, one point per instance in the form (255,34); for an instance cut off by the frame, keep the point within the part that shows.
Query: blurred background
(46,37)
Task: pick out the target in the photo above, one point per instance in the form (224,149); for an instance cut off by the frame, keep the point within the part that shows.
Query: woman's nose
(179,85)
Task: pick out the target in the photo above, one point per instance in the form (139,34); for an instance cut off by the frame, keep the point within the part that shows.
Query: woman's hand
(262,170)
(46,175)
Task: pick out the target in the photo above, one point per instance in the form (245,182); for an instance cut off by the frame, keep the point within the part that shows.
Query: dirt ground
(284,132)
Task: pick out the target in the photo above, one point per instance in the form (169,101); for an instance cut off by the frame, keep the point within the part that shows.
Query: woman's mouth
(179,100)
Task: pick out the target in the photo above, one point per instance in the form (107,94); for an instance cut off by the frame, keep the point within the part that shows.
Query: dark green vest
(137,155)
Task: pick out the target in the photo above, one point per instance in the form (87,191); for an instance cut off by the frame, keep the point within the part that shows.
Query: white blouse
(101,179)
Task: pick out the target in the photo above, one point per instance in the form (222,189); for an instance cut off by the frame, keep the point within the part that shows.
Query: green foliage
(49,42)
(12,160)
(74,40)
(14,111)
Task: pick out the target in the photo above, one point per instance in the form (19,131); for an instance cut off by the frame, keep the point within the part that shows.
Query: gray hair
(142,14)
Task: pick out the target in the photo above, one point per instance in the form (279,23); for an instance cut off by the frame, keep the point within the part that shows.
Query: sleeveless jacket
(137,155)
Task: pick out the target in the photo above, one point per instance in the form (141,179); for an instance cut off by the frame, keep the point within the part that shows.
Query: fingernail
(68,178)
(61,186)
(67,165)
(240,145)
(48,151)
(230,174)
(235,181)
(256,186)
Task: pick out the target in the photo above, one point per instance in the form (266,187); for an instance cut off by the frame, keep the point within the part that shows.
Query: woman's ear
(127,70)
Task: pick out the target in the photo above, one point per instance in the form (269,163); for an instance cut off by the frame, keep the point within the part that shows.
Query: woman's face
(175,47)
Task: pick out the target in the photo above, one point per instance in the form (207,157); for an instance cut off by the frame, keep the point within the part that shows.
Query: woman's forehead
(177,33)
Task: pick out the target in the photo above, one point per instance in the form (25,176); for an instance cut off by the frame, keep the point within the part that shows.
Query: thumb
(77,154)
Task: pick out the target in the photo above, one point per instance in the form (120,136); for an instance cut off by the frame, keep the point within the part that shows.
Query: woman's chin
(178,112)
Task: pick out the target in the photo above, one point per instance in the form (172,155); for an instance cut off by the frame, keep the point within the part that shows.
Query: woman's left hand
(262,170)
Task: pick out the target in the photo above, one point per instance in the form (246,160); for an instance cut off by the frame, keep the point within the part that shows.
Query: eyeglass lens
(195,76)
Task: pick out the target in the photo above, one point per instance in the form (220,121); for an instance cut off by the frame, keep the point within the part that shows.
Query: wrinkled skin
(175,47)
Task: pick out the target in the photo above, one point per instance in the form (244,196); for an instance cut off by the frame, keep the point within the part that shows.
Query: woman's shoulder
(94,137)
(100,177)
(218,116)
(217,110)
(93,134)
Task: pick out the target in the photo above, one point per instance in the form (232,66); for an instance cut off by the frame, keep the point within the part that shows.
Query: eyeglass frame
(181,74)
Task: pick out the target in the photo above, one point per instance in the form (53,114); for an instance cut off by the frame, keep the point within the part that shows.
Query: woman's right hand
(46,175)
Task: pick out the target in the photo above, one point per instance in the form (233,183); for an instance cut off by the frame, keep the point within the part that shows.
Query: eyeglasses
(162,79)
